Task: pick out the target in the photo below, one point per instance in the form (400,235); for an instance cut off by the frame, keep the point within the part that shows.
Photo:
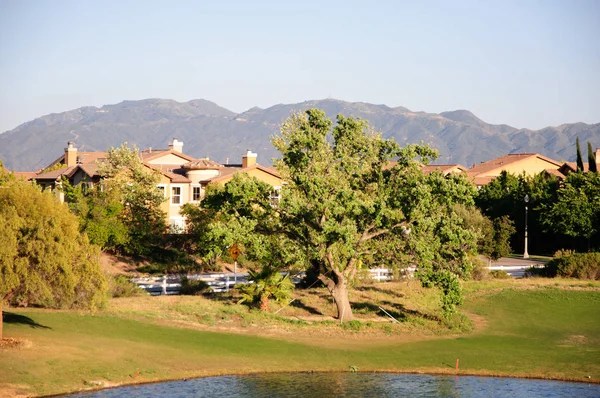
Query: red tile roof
(24,175)
(443,168)
(151,154)
(203,164)
(502,161)
(228,171)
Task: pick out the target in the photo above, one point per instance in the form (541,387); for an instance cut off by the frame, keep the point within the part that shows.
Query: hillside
(210,130)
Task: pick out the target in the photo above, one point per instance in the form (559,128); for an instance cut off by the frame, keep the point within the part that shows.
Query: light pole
(525,254)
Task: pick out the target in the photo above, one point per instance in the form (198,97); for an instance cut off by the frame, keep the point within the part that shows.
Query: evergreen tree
(591,159)
(579,157)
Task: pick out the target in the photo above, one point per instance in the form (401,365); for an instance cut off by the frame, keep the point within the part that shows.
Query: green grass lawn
(534,331)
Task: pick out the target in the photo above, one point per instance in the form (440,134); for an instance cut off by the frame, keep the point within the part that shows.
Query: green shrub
(352,325)
(578,265)
(480,270)
(563,253)
(266,284)
(193,287)
(121,286)
(499,274)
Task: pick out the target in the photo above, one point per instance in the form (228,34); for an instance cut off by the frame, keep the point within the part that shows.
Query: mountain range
(207,129)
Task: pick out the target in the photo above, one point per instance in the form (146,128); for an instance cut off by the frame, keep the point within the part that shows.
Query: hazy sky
(524,63)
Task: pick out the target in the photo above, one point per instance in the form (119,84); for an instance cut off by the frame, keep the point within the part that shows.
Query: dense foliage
(575,211)
(123,213)
(266,284)
(576,265)
(44,259)
(355,199)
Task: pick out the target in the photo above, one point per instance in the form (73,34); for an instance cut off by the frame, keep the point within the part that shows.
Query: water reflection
(326,385)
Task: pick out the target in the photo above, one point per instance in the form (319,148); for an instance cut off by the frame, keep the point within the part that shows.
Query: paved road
(515,267)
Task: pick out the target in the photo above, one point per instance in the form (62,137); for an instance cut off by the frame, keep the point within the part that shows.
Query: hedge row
(578,265)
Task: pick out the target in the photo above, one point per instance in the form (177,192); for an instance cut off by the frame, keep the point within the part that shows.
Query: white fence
(171,284)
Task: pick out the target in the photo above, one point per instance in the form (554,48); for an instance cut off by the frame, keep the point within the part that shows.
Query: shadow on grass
(300,304)
(398,311)
(405,311)
(11,317)
(374,309)
(380,290)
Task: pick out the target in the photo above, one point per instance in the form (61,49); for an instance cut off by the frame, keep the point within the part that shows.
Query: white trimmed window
(176,225)
(176,195)
(162,188)
(196,193)
(275,196)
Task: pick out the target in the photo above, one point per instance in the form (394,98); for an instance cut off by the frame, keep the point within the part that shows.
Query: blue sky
(524,63)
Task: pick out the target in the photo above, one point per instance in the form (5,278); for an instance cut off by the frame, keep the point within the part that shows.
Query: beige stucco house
(518,163)
(183,178)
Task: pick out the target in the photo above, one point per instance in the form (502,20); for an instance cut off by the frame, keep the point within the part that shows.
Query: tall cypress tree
(579,157)
(591,159)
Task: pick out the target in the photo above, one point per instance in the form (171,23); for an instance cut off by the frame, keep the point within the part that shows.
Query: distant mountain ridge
(207,129)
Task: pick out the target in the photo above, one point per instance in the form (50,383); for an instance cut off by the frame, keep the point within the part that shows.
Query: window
(86,187)
(176,225)
(176,195)
(275,196)
(196,194)
(161,189)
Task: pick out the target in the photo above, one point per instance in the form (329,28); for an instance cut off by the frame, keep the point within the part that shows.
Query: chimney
(176,146)
(70,155)
(249,159)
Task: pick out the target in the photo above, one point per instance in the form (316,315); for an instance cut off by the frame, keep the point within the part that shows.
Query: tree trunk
(264,303)
(337,284)
(338,287)
(340,296)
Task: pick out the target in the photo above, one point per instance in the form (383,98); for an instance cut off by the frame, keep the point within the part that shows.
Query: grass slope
(524,330)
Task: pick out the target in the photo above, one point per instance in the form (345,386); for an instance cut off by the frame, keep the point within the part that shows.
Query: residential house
(517,163)
(445,169)
(183,178)
(571,167)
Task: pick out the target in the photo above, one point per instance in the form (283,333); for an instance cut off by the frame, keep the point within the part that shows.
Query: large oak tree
(354,198)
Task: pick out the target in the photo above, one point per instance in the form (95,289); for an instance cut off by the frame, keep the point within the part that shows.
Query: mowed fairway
(537,331)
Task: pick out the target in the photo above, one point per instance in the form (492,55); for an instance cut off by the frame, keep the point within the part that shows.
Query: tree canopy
(576,210)
(123,213)
(44,259)
(352,198)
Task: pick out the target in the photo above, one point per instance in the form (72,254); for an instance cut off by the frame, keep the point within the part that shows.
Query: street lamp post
(525,253)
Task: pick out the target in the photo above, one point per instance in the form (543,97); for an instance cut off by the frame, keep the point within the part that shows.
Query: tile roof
(203,164)
(556,173)
(502,161)
(226,172)
(169,172)
(90,169)
(151,154)
(55,174)
(572,167)
(82,158)
(443,168)
(24,175)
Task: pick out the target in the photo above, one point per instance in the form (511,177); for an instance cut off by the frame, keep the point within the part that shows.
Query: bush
(353,325)
(499,274)
(480,271)
(121,286)
(563,253)
(193,287)
(578,265)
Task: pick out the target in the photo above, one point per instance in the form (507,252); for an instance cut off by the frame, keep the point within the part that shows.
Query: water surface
(317,385)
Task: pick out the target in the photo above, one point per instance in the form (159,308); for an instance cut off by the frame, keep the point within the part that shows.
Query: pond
(352,385)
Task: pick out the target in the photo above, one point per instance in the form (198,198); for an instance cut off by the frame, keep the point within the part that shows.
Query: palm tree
(266,284)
